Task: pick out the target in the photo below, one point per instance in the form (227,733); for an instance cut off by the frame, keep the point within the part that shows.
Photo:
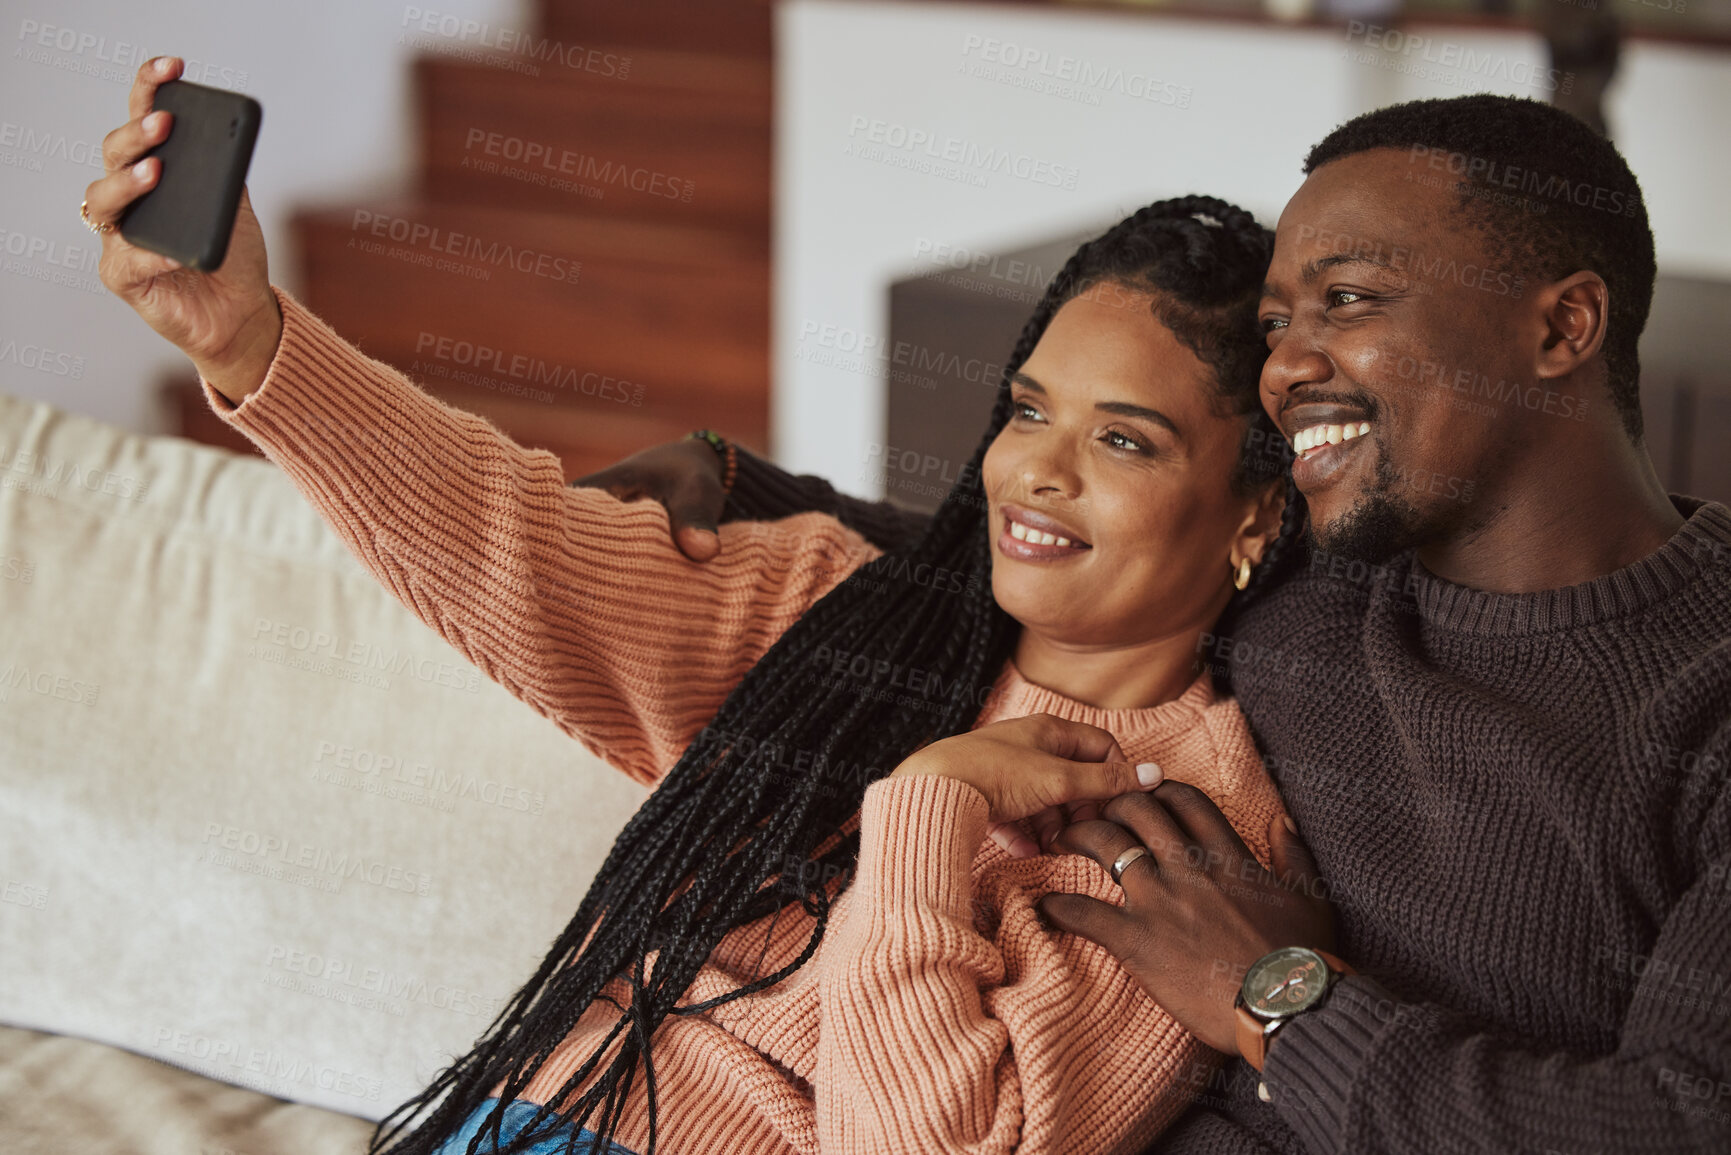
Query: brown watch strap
(1254,1035)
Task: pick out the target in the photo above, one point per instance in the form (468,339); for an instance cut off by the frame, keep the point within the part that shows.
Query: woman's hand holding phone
(225,320)
(1033,766)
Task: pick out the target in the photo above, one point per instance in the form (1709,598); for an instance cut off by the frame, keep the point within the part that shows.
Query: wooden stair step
(694,149)
(681,312)
(730,27)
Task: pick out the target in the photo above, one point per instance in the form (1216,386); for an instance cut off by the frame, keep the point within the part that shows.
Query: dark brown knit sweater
(1521,804)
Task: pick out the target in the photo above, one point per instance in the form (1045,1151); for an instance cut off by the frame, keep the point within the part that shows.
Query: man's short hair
(1551,196)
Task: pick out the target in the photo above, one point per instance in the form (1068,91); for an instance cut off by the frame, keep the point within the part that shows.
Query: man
(1497,700)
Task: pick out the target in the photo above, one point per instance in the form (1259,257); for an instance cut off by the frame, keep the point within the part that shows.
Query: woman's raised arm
(576,602)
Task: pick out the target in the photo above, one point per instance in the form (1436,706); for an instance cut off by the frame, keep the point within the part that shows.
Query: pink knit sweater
(937,1015)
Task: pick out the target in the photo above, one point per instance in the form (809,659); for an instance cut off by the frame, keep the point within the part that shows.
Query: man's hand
(1198,909)
(685,477)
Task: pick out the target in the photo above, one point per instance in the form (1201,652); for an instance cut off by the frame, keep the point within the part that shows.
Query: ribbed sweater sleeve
(1372,1073)
(907,1060)
(936,1037)
(765,492)
(574,601)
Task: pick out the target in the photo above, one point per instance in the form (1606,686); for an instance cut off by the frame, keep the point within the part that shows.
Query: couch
(271,852)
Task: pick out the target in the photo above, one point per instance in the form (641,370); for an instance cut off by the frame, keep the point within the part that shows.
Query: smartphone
(190,213)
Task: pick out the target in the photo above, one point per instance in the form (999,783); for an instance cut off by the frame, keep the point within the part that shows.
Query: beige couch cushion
(256,820)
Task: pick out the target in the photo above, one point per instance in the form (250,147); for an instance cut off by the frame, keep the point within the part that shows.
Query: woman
(798,1000)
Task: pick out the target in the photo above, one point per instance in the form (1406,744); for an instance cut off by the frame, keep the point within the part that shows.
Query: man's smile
(1311,437)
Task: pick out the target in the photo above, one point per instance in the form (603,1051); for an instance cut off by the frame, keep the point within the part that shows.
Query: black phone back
(189,215)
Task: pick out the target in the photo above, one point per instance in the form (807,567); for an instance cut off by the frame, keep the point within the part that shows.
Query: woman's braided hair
(725,838)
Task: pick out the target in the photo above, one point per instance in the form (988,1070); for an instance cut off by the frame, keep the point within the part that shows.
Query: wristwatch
(1278,987)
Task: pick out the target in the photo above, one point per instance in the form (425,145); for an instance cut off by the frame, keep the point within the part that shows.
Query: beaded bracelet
(729,457)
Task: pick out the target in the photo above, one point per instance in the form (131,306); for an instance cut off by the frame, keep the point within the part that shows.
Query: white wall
(333,78)
(1257,98)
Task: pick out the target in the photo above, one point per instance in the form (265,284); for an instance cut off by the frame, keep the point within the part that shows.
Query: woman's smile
(1031,536)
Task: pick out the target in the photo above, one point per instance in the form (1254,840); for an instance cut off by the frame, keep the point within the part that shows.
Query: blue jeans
(517,1116)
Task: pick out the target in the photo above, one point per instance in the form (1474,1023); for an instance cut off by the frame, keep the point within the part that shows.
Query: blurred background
(815,226)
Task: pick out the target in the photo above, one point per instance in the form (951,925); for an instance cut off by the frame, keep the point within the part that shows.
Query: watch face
(1284,982)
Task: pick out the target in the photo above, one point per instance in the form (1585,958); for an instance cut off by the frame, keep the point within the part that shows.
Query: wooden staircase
(584,258)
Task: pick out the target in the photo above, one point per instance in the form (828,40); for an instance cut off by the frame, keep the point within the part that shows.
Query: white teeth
(1312,436)
(1034,536)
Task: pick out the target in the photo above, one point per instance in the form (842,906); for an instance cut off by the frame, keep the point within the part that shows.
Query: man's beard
(1379,526)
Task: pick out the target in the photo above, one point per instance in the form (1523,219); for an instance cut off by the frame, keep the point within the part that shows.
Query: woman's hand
(685,477)
(1033,765)
(225,319)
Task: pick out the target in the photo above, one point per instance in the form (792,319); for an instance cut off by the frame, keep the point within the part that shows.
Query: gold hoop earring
(1242,577)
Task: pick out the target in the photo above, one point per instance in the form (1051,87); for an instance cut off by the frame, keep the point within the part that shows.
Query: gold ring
(84,211)
(1125,860)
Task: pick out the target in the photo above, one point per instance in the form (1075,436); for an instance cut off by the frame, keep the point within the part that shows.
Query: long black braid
(709,849)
